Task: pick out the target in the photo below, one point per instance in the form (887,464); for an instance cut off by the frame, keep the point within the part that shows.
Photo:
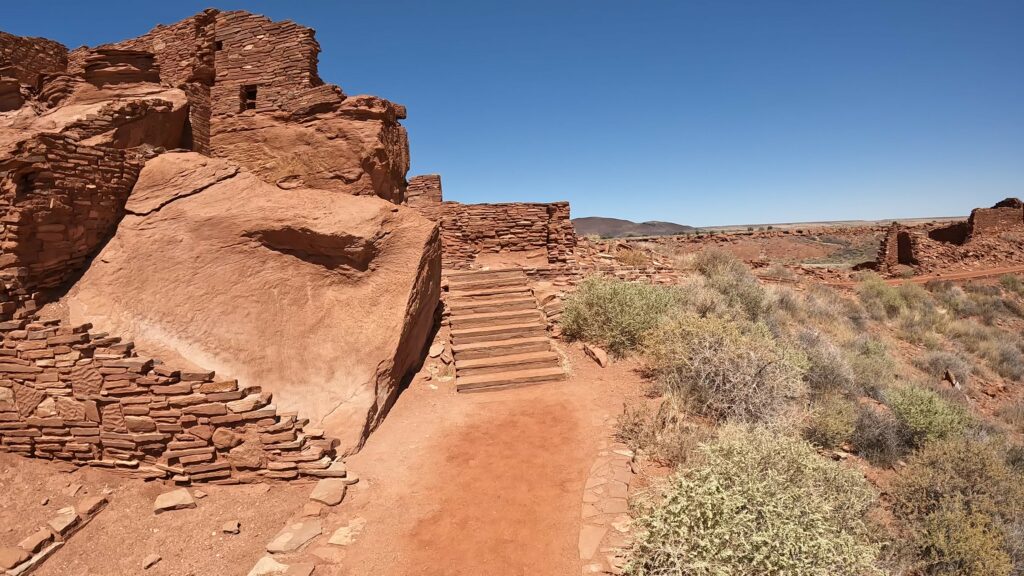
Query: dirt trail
(961,275)
(487,483)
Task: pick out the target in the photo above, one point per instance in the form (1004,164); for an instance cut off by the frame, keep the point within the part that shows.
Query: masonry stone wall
(424,191)
(278,58)
(28,58)
(70,394)
(60,200)
(468,230)
(997,220)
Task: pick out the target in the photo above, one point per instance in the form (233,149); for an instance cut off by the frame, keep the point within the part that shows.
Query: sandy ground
(455,485)
(487,483)
(115,543)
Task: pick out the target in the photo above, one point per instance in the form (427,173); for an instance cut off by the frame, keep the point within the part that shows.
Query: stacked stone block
(70,394)
(28,58)
(1006,216)
(60,199)
(424,191)
(471,229)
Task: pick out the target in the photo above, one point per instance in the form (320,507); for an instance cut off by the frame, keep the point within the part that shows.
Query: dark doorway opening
(248,97)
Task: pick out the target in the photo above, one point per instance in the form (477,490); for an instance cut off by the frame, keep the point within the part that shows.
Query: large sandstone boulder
(325,299)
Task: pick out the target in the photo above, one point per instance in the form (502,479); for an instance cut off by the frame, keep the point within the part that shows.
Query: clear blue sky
(701,112)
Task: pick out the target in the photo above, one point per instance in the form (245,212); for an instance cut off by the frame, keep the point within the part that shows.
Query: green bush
(935,364)
(910,305)
(832,422)
(957,542)
(726,368)
(873,369)
(925,415)
(827,368)
(732,279)
(758,503)
(879,437)
(968,478)
(614,313)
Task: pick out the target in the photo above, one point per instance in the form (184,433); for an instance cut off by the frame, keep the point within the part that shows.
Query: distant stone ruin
(990,235)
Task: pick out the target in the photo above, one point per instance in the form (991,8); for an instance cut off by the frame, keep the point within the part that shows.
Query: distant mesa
(617,228)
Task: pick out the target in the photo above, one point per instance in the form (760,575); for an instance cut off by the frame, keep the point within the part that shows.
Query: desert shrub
(935,364)
(732,279)
(1013,414)
(759,502)
(1012,283)
(969,479)
(873,369)
(635,428)
(1001,350)
(879,437)
(881,300)
(726,368)
(910,305)
(957,542)
(614,313)
(827,368)
(779,271)
(925,415)
(634,258)
(832,422)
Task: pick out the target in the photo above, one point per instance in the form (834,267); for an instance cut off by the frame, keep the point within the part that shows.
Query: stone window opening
(248,97)
(218,45)
(24,183)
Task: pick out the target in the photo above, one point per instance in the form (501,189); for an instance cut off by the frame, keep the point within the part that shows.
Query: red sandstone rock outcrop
(325,299)
(320,298)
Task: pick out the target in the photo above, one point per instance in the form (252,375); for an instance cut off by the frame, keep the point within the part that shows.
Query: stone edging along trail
(605,528)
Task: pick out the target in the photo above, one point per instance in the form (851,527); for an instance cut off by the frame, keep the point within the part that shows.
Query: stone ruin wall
(70,394)
(471,229)
(1007,216)
(28,58)
(60,200)
(424,191)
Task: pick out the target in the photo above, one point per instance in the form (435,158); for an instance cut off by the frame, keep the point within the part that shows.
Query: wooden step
(495,318)
(525,361)
(491,348)
(485,273)
(509,379)
(485,292)
(483,283)
(500,332)
(459,306)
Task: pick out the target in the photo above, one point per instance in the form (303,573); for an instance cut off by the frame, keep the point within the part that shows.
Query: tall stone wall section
(424,191)
(471,229)
(28,58)
(60,200)
(1007,216)
(278,58)
(70,394)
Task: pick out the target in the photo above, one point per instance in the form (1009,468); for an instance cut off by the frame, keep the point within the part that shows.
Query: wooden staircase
(499,332)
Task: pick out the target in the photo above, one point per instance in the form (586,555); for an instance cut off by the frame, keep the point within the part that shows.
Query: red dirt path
(488,483)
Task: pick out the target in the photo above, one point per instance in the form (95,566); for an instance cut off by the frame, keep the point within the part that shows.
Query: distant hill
(616,228)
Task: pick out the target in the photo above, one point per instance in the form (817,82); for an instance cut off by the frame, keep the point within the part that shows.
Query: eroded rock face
(323,298)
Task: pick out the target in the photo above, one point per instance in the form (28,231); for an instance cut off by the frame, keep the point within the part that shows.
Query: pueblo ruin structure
(213,267)
(989,235)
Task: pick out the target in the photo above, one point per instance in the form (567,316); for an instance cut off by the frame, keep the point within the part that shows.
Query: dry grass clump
(965,507)
(1001,350)
(1013,414)
(879,437)
(1012,283)
(827,368)
(726,369)
(936,362)
(633,258)
(910,306)
(759,502)
(614,313)
(873,368)
(731,278)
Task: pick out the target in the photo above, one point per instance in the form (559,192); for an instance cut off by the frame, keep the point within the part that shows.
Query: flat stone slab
(347,534)
(267,566)
(11,557)
(64,522)
(293,536)
(590,540)
(174,500)
(330,491)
